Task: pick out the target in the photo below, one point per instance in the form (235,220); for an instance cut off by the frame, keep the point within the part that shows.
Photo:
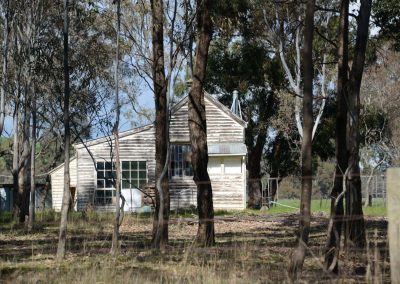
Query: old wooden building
(92,168)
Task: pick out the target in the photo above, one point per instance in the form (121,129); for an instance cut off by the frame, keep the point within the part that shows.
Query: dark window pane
(109,174)
(142,174)
(132,183)
(100,174)
(126,174)
(135,182)
(109,183)
(142,183)
(134,165)
(100,165)
(142,165)
(100,183)
(125,165)
(108,193)
(108,166)
(99,193)
(125,184)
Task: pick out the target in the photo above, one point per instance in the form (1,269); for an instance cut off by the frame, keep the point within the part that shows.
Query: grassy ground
(252,246)
(378,208)
(317,206)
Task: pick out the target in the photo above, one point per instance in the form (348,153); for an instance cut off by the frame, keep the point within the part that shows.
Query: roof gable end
(215,102)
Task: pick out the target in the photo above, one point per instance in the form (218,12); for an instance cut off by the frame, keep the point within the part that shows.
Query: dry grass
(249,249)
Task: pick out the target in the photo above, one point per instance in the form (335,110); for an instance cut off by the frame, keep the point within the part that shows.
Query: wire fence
(373,189)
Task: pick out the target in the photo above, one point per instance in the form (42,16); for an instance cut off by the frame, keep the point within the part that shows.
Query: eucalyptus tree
(161,217)
(337,210)
(355,227)
(285,24)
(297,260)
(6,15)
(256,74)
(385,15)
(26,35)
(157,38)
(198,126)
(347,177)
(118,206)
(66,195)
(241,60)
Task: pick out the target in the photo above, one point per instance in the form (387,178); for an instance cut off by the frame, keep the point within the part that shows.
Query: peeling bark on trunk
(296,263)
(21,211)
(198,128)
(161,215)
(336,219)
(355,227)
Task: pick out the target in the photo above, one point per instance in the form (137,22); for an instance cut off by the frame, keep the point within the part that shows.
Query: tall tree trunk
(5,64)
(336,219)
(198,127)
(15,159)
(254,170)
(22,200)
(66,195)
(297,260)
(266,105)
(117,184)
(33,168)
(161,216)
(355,227)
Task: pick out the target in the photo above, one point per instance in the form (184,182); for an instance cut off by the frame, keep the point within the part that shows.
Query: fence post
(393,209)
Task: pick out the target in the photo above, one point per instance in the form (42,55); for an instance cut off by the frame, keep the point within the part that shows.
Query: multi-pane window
(134,175)
(181,160)
(105,183)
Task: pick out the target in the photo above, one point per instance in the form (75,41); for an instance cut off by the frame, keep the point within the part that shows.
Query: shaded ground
(249,249)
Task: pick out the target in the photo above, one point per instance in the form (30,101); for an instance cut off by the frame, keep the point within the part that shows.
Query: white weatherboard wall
(57,182)
(227,167)
(229,187)
(135,145)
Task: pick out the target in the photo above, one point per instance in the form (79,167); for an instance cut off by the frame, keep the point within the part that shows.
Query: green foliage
(386,16)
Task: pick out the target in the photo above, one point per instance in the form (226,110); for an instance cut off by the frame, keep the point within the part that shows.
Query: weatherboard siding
(136,147)
(57,183)
(139,145)
(221,128)
(227,192)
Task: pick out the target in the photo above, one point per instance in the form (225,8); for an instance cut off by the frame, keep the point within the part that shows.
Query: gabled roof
(107,138)
(174,109)
(61,165)
(214,101)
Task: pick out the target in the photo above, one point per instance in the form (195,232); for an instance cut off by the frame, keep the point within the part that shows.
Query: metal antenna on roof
(235,108)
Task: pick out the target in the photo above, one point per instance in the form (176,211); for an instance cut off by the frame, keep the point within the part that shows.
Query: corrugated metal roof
(227,148)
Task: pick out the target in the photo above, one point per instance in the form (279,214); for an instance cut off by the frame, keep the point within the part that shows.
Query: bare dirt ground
(249,249)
